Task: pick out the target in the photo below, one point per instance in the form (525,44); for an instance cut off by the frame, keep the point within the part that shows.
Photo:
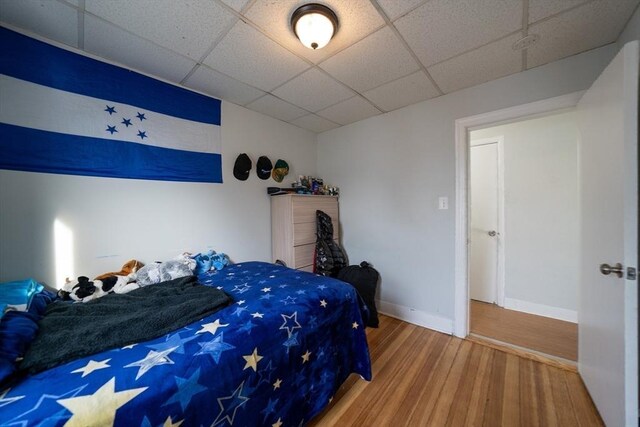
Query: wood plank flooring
(543,334)
(425,378)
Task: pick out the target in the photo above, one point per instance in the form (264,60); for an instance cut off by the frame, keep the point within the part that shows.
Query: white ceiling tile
(252,58)
(314,123)
(540,9)
(441,29)
(236,4)
(275,107)
(349,111)
(586,27)
(313,90)
(107,41)
(220,86)
(396,8)
(47,18)
(490,62)
(188,27)
(379,58)
(356,18)
(402,92)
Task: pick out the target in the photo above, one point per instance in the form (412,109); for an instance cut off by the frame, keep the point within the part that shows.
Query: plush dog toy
(158,272)
(86,290)
(129,267)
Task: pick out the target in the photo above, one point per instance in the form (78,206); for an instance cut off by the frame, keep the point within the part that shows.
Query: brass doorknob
(607,269)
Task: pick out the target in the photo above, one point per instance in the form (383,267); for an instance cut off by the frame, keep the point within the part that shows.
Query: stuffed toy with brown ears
(128,268)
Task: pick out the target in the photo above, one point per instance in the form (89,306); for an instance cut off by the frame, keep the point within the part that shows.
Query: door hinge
(631,273)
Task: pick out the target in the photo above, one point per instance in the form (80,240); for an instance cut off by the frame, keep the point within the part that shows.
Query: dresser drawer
(304,210)
(305,232)
(308,268)
(303,255)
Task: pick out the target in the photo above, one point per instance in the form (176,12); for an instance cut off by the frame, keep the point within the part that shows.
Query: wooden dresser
(293,227)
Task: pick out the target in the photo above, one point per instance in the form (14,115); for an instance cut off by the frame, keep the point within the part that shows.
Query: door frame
(500,267)
(462,128)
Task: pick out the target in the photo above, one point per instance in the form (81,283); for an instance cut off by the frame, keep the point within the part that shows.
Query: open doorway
(524,234)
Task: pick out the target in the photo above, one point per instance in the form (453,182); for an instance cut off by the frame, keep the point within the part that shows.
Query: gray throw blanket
(70,331)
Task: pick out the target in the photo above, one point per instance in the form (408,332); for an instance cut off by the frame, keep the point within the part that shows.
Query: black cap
(242,167)
(263,167)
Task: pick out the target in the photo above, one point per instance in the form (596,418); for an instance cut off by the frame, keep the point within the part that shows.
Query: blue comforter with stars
(273,358)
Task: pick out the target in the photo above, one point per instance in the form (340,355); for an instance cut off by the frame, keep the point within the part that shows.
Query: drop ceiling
(387,54)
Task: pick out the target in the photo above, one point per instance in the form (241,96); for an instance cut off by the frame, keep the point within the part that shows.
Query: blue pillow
(19,294)
(17,330)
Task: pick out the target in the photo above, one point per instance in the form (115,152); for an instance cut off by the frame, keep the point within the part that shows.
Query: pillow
(18,294)
(17,330)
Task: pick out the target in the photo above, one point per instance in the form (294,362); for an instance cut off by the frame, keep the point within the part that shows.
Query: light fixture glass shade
(314,30)
(314,24)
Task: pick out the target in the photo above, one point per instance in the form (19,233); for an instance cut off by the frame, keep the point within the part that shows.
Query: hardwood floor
(543,334)
(426,378)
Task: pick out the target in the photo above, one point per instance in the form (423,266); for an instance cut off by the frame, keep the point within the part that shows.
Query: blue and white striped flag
(61,112)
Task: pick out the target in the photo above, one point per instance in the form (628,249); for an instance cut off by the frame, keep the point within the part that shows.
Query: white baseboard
(541,310)
(417,317)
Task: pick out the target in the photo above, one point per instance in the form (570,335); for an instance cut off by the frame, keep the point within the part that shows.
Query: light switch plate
(443,203)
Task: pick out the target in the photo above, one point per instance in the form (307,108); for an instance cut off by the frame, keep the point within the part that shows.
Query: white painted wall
(541,211)
(392,168)
(631,30)
(114,220)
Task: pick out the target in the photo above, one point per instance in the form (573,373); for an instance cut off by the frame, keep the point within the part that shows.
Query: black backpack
(364,278)
(329,259)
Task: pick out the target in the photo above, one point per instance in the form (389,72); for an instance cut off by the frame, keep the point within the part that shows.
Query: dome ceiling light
(314,24)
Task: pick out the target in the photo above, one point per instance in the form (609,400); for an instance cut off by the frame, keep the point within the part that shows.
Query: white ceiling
(386,54)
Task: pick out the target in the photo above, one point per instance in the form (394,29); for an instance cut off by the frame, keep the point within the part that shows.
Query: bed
(274,357)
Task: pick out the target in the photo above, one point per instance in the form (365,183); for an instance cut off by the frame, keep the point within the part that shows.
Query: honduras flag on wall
(61,112)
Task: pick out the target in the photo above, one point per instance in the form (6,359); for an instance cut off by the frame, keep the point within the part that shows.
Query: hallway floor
(542,334)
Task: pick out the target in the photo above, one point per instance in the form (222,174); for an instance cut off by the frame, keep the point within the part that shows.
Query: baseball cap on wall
(263,167)
(280,170)
(242,167)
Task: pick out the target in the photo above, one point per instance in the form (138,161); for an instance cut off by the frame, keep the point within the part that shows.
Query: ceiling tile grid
(489,62)
(349,111)
(441,29)
(277,108)
(315,123)
(52,20)
(107,41)
(224,87)
(588,26)
(253,58)
(244,51)
(313,90)
(405,91)
(379,58)
(397,8)
(540,9)
(186,26)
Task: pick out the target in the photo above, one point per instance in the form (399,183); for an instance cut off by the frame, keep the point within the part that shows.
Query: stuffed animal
(158,272)
(210,261)
(129,267)
(203,262)
(219,261)
(187,259)
(85,290)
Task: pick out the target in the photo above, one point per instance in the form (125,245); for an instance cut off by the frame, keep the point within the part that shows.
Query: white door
(608,308)
(483,248)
